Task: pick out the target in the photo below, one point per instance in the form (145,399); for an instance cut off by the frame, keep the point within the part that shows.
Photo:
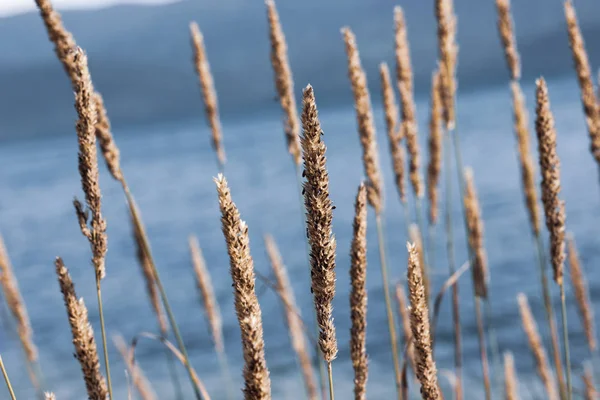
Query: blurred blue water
(170,170)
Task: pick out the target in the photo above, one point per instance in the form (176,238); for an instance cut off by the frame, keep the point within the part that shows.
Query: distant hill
(141,57)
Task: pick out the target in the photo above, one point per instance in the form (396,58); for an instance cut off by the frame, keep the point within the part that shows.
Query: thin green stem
(482,349)
(318,353)
(330,376)
(8,385)
(388,305)
(565,332)
(104,342)
(458,392)
(163,294)
(173,371)
(556,353)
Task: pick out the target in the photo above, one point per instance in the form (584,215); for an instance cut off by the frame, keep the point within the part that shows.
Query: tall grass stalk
(7,380)
(388,303)
(330,378)
(458,392)
(104,341)
(136,218)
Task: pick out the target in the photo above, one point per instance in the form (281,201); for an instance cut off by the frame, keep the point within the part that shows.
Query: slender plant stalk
(330,377)
(452,267)
(485,368)
(137,220)
(104,341)
(388,304)
(138,379)
(8,385)
(565,332)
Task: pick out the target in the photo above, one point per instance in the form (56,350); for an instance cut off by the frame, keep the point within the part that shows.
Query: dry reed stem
(448,54)
(403,310)
(366,124)
(209,94)
(580,288)
(434,168)
(415,237)
(475,231)
(88,162)
(83,335)
(511,384)
(358,295)
(149,276)
(507,35)
(319,216)
(537,348)
(419,322)
(284,82)
(256,374)
(394,132)
(404,76)
(138,378)
(590,392)
(63,44)
(49,396)
(292,315)
(7,380)
(584,76)
(525,158)
(205,287)
(16,305)
(554,208)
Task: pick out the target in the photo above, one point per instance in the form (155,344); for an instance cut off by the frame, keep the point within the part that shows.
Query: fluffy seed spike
(588,381)
(435,148)
(580,287)
(393,130)
(510,378)
(505,27)
(292,314)
(64,43)
(86,351)
(284,82)
(419,321)
(319,216)
(415,237)
(404,76)
(16,305)
(448,53)
(205,287)
(358,295)
(88,158)
(535,343)
(209,94)
(475,230)
(584,76)
(366,125)
(256,374)
(554,208)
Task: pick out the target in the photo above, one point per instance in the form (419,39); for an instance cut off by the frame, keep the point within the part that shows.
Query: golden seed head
(510,378)
(358,295)
(319,217)
(256,373)
(507,36)
(554,208)
(209,94)
(434,168)
(366,124)
(284,82)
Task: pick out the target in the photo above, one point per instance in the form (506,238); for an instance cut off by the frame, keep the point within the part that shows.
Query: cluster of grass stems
(419,311)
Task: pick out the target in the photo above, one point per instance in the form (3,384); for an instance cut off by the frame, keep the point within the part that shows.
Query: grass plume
(511,384)
(284,82)
(434,168)
(256,373)
(580,288)
(537,348)
(209,94)
(86,351)
(507,35)
(358,295)
(419,321)
(366,124)
(448,54)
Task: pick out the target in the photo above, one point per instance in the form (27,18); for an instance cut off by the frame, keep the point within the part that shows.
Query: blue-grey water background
(170,168)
